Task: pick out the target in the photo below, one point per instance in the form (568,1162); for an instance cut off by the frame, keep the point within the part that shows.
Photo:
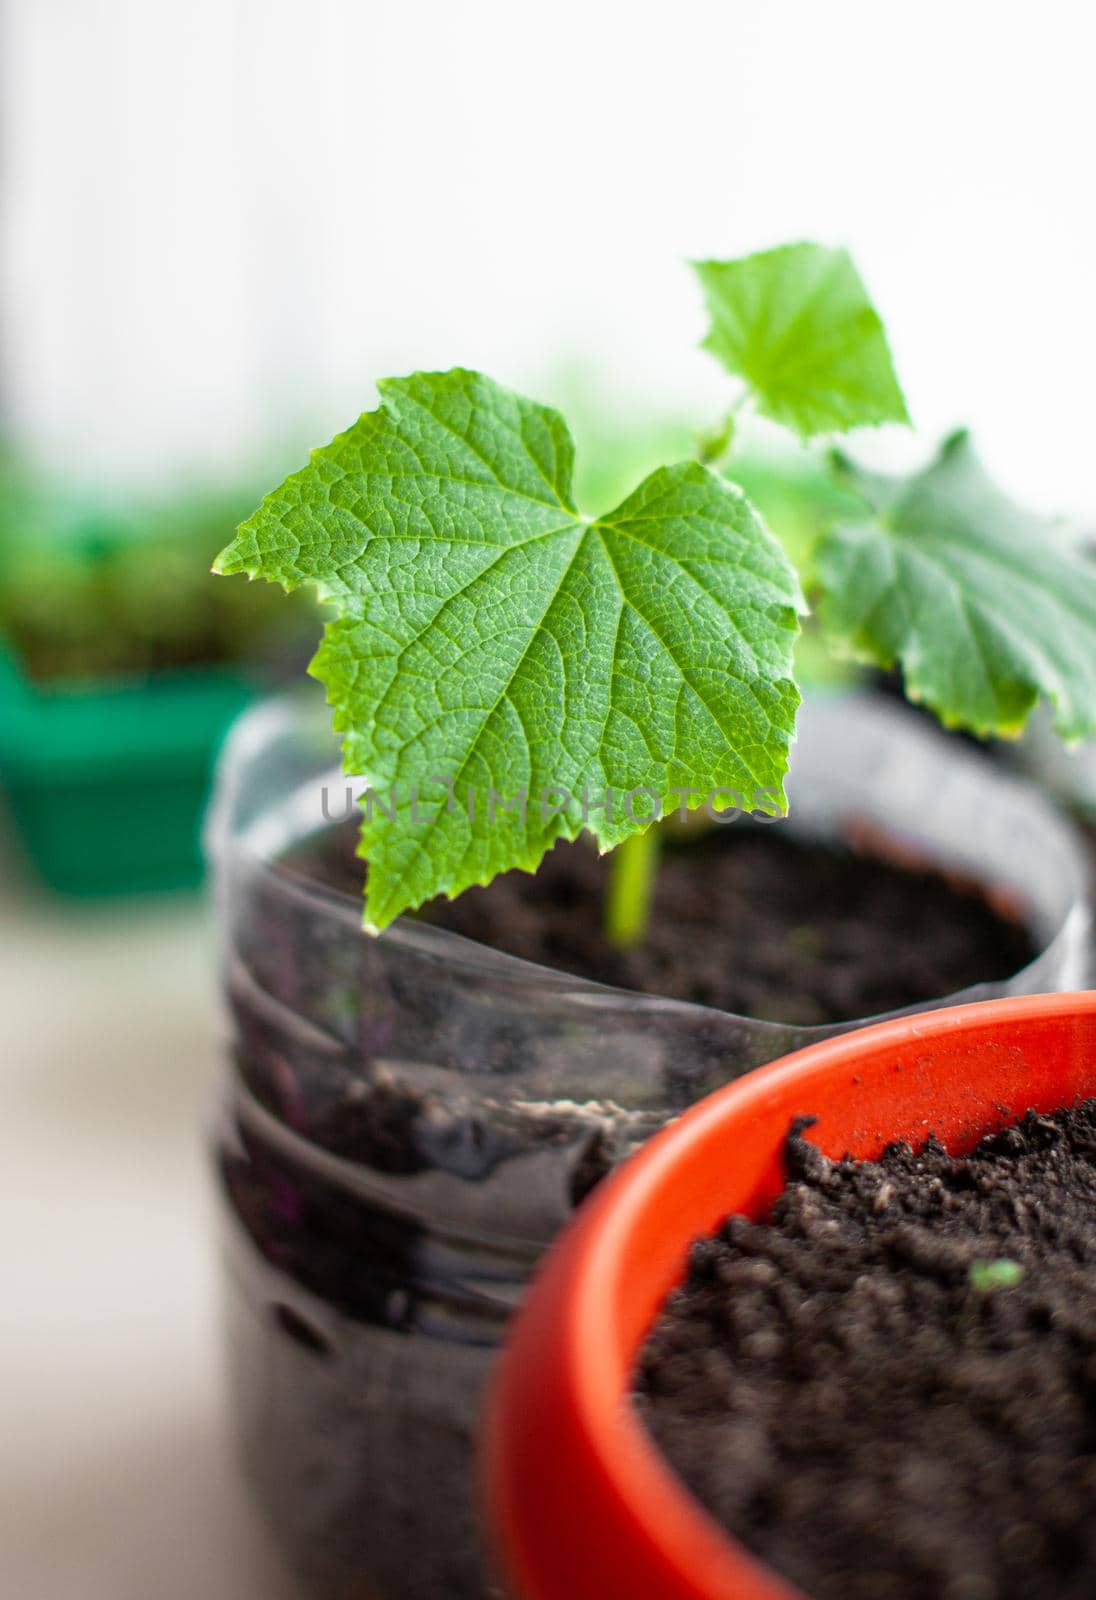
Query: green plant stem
(715,446)
(633,867)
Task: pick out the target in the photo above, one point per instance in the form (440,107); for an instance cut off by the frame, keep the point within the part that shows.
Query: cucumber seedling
(505,671)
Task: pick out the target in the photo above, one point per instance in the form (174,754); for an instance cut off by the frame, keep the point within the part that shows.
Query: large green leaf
(983,604)
(491,639)
(796,323)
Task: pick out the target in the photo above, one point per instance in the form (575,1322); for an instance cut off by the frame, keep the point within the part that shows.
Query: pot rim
(580,1502)
(478,961)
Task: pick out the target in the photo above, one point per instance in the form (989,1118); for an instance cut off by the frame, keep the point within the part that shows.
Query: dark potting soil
(888,1389)
(749,920)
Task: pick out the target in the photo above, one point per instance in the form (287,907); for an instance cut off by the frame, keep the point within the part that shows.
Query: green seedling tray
(106,781)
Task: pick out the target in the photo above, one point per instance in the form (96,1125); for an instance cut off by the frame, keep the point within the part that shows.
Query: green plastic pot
(106,781)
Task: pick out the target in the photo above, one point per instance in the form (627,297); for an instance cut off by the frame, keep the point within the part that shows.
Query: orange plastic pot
(580,1503)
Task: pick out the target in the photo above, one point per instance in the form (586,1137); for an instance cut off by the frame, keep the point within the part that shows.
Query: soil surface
(888,1389)
(749,920)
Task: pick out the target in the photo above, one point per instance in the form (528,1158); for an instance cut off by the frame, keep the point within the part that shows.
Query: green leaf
(796,323)
(987,1277)
(982,603)
(490,637)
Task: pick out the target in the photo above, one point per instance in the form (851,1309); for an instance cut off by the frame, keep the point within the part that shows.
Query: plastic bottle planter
(581,1503)
(106,782)
(1070,774)
(480,1095)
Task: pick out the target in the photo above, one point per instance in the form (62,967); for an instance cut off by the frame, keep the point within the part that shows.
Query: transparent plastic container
(408,1121)
(1069,773)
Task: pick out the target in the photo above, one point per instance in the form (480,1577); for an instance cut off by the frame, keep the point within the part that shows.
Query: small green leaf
(796,323)
(987,1277)
(982,603)
(491,640)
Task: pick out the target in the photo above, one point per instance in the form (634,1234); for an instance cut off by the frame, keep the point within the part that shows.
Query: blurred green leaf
(88,591)
(796,323)
(984,605)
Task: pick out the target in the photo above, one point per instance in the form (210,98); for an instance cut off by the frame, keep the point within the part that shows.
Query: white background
(224,219)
